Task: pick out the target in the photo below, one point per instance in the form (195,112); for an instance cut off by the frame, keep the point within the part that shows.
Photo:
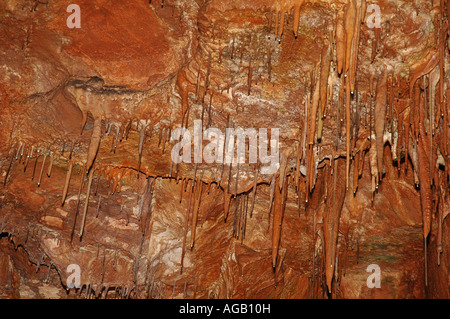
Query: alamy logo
(74,20)
(221,148)
(373,20)
(374,280)
(74,279)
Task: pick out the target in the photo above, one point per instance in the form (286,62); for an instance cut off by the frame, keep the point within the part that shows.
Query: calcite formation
(354,93)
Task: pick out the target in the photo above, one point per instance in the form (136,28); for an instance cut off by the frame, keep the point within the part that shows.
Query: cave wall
(87,116)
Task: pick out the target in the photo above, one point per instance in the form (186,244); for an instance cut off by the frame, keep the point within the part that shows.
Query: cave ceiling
(348,100)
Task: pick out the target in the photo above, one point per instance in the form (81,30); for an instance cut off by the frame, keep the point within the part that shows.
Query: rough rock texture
(85,149)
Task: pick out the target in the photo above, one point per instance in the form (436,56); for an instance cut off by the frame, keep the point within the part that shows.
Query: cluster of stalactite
(411,128)
(414,125)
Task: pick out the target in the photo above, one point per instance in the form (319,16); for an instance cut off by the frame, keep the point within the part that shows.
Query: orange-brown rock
(87,115)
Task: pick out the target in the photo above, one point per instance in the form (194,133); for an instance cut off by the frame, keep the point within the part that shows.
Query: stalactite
(197,85)
(373,166)
(390,103)
(297,173)
(277,14)
(226,203)
(98,205)
(421,69)
(237,219)
(116,138)
(186,223)
(223,152)
(314,255)
(323,86)
(142,135)
(72,147)
(34,166)
(108,128)
(424,175)
(197,202)
(29,156)
(282,23)
(40,261)
(348,129)
(310,170)
(22,152)
(271,198)
(380,115)
(181,190)
(147,201)
(78,201)
(17,151)
(278,212)
(208,125)
(349,24)
(50,165)
(194,178)
(434,78)
(414,111)
(229,177)
(296,18)
(244,218)
(283,165)
(331,219)
(116,180)
(305,127)
(48,273)
(356,172)
(338,115)
(400,139)
(126,131)
(355,46)
(340,42)
(357,121)
(326,170)
(95,143)
(314,107)
(207,79)
(407,125)
(255,185)
(66,184)
(86,203)
(209,187)
(42,170)
(362,151)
